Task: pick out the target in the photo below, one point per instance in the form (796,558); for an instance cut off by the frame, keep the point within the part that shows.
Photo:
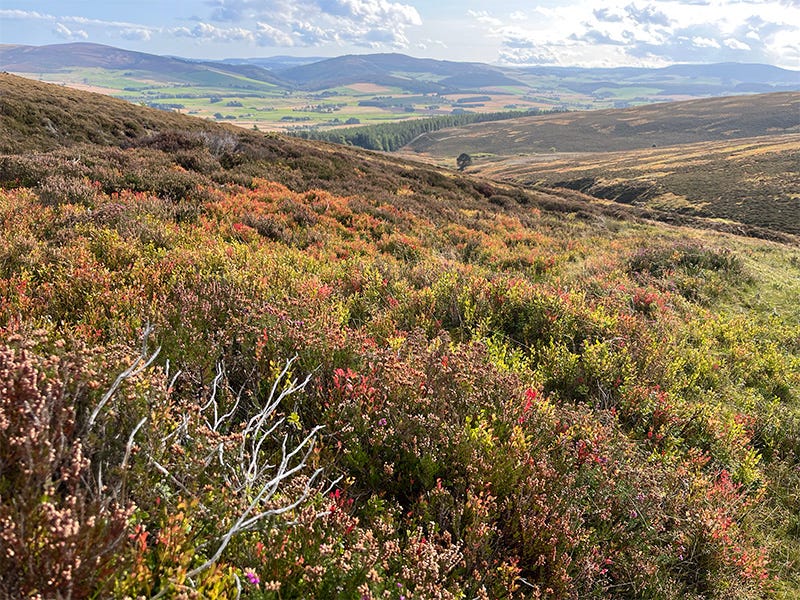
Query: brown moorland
(662,124)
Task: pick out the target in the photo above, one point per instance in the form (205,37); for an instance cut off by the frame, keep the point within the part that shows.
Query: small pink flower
(252,578)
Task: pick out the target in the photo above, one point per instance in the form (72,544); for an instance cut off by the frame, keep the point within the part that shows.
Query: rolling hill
(63,117)
(675,80)
(416,75)
(245,365)
(749,181)
(662,124)
(733,158)
(397,70)
(83,55)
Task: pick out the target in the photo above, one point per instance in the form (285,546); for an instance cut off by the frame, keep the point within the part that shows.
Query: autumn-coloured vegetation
(251,366)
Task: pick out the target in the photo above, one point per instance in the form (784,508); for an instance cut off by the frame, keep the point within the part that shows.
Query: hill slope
(686,158)
(664,124)
(412,74)
(84,55)
(675,80)
(63,116)
(752,181)
(376,378)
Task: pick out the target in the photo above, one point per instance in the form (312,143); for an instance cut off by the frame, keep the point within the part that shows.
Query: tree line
(393,136)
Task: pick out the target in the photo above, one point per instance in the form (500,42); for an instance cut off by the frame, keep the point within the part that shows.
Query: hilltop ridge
(40,116)
(610,130)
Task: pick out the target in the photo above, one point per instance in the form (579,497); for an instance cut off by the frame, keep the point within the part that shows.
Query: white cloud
(647,32)
(138,34)
(65,32)
(371,23)
(483,17)
(578,32)
(702,42)
(274,23)
(267,35)
(736,44)
(207,32)
(427,43)
(377,12)
(30,15)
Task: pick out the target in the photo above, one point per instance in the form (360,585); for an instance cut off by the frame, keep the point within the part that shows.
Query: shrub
(61,530)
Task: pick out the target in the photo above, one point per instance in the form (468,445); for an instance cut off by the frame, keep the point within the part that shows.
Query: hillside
(747,181)
(64,117)
(663,124)
(719,79)
(84,55)
(412,74)
(244,365)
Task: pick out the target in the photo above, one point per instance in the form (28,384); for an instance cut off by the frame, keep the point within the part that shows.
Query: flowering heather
(255,366)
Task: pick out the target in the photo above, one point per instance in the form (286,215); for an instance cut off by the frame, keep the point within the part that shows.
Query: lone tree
(463,161)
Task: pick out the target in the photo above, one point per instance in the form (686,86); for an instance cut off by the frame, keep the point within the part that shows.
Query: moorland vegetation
(749,184)
(242,364)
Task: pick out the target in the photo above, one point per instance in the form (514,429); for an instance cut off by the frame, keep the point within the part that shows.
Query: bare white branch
(137,367)
(129,445)
(251,467)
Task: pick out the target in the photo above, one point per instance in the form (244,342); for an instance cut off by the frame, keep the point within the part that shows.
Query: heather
(236,365)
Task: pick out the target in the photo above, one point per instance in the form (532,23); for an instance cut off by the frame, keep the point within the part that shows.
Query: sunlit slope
(665,124)
(39,116)
(752,181)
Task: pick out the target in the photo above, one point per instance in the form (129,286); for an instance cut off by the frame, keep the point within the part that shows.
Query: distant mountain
(411,74)
(275,63)
(736,72)
(250,71)
(683,79)
(395,70)
(52,58)
(37,58)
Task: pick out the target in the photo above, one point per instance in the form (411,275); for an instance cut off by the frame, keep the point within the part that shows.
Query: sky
(592,33)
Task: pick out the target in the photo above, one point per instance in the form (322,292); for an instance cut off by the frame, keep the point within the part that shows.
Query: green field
(195,90)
